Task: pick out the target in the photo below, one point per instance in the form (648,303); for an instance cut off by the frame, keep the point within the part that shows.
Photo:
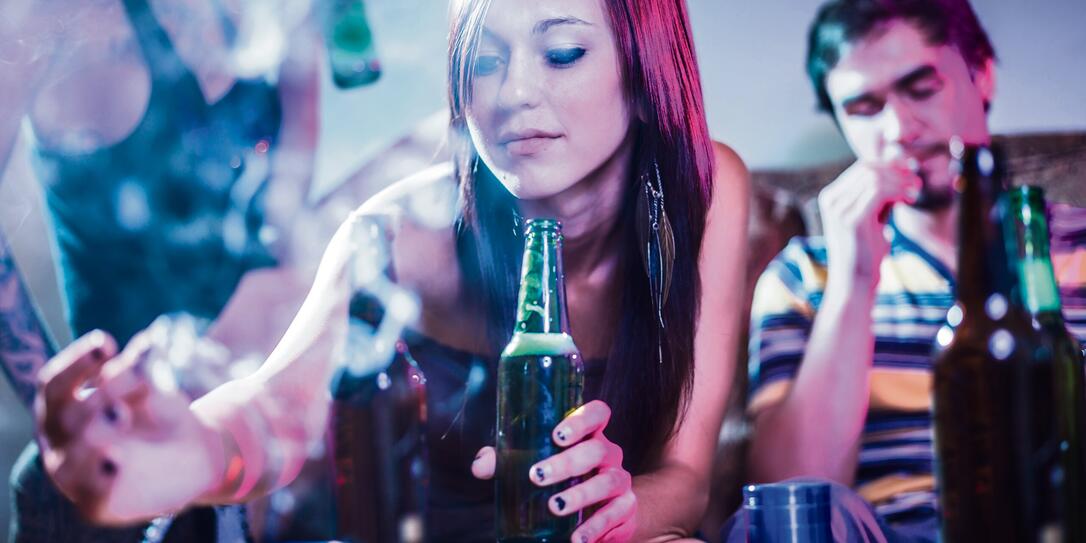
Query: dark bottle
(540,377)
(349,40)
(379,408)
(979,358)
(380,461)
(1055,406)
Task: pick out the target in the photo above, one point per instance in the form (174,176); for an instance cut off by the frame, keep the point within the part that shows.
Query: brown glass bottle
(1055,403)
(980,357)
(540,378)
(378,437)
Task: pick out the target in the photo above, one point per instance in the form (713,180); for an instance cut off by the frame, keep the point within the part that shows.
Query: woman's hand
(588,452)
(117,436)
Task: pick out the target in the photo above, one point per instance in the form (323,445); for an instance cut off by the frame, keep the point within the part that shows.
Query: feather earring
(657,240)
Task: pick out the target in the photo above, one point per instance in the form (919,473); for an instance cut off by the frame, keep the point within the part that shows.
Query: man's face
(899,100)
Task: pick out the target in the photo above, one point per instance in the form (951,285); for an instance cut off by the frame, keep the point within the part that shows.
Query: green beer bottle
(540,377)
(349,41)
(1055,403)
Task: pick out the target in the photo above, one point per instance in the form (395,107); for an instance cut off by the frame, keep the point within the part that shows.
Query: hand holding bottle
(587,453)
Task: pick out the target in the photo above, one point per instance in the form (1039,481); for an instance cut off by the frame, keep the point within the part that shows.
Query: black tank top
(168,219)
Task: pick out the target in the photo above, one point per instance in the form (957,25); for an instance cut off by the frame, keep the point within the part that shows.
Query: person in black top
(167,179)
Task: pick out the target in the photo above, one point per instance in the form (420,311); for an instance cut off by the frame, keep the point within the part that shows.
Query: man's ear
(984,78)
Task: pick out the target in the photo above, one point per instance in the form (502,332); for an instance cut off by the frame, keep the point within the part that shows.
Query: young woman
(580,110)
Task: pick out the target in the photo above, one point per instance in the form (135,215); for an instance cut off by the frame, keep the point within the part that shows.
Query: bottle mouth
(1027,195)
(544,224)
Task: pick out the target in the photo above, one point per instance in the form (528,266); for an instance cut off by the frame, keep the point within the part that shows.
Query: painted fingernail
(109,468)
(110,413)
(560,503)
(563,433)
(540,474)
(584,538)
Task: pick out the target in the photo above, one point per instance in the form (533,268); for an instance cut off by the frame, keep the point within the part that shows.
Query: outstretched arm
(135,447)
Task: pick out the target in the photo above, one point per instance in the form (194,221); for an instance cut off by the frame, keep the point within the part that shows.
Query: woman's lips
(529,145)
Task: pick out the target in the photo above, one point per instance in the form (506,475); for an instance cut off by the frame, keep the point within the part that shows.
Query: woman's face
(548,107)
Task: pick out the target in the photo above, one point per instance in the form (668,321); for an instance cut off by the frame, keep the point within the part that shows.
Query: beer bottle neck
(983,267)
(1034,263)
(541,304)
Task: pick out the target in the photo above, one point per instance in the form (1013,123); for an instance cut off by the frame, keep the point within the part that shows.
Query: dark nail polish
(584,539)
(540,474)
(561,435)
(560,503)
(110,413)
(109,468)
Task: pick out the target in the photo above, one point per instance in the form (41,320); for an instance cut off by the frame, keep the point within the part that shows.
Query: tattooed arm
(31,30)
(24,344)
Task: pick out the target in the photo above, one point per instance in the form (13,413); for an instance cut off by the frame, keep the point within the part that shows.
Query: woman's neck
(590,212)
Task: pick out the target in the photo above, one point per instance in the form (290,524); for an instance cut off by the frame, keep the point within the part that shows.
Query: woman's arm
(267,421)
(24,344)
(673,498)
(28,37)
(136,448)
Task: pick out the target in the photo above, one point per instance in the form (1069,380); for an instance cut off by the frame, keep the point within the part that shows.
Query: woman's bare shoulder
(729,172)
(726,221)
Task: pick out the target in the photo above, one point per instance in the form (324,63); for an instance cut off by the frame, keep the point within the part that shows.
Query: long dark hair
(648,396)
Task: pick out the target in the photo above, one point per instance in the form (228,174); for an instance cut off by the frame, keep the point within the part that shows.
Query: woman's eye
(487,64)
(564,57)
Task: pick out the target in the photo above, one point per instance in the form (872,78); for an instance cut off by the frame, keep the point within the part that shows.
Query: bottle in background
(1055,405)
(540,378)
(349,40)
(378,418)
(979,360)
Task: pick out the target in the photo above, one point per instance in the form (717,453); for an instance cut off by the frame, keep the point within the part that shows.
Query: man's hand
(854,209)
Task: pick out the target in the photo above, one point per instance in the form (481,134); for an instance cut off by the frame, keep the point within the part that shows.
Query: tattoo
(24,345)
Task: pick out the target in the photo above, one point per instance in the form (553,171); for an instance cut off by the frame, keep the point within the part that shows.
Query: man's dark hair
(843,22)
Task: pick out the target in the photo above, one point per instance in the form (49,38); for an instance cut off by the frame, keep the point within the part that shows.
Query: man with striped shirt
(843,324)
